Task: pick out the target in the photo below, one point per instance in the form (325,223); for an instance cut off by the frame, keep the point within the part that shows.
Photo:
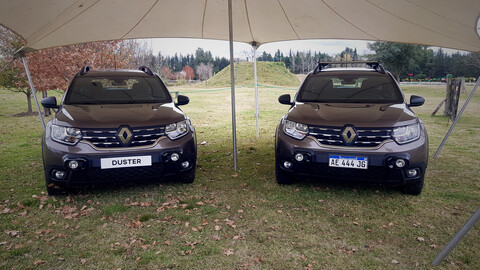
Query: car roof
(115,73)
(348,72)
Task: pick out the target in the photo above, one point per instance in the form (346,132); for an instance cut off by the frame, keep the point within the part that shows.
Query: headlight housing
(177,130)
(295,130)
(66,135)
(406,134)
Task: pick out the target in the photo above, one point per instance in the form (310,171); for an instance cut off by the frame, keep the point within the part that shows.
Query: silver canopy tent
(50,23)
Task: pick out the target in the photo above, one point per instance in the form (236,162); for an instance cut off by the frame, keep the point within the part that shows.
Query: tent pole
(457,238)
(24,60)
(256,84)
(457,118)
(232,83)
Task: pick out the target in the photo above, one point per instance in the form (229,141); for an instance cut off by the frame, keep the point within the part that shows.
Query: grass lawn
(243,219)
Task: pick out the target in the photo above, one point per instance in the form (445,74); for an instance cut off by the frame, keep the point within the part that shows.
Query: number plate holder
(348,162)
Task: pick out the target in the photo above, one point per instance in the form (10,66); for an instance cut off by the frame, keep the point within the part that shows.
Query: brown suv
(115,125)
(352,123)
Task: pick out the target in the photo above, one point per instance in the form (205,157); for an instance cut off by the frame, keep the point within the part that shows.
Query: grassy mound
(268,73)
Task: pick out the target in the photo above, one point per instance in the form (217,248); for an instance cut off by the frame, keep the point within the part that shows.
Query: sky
(170,46)
(184,46)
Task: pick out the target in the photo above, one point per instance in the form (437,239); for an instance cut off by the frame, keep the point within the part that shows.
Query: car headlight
(295,130)
(66,135)
(406,134)
(177,130)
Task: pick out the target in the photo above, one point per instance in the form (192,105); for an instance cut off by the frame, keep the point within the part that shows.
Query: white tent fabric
(50,23)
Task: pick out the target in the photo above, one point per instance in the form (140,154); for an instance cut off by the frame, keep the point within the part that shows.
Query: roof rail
(146,70)
(85,69)
(372,64)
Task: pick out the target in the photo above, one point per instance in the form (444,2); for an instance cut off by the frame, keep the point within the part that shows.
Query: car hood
(115,115)
(360,115)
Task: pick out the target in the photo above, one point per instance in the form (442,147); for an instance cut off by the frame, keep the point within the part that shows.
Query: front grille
(366,137)
(107,138)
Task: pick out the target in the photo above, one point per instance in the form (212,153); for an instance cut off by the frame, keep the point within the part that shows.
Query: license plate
(348,162)
(125,162)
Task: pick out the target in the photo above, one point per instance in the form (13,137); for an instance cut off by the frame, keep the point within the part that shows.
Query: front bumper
(381,161)
(57,156)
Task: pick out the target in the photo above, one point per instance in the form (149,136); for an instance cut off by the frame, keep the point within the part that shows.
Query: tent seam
(417,25)
(288,20)
(139,21)
(338,14)
(439,15)
(46,35)
(248,20)
(203,18)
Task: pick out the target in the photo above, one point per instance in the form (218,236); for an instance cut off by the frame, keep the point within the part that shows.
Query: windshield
(117,90)
(350,88)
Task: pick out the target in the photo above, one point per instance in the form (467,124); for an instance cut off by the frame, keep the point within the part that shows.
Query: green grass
(243,219)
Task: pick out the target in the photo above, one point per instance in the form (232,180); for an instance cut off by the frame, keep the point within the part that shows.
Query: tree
(396,56)
(54,68)
(12,76)
(204,71)
(189,74)
(166,72)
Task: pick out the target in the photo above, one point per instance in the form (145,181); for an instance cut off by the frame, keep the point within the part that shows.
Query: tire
(283,178)
(188,177)
(413,188)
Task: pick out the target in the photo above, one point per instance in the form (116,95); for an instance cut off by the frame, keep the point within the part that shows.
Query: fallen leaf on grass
(218,228)
(168,243)
(12,233)
(421,239)
(38,262)
(229,252)
(395,262)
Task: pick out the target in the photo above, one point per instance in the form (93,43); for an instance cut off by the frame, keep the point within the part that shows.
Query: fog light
(73,164)
(59,174)
(287,164)
(185,164)
(412,172)
(174,157)
(299,157)
(400,163)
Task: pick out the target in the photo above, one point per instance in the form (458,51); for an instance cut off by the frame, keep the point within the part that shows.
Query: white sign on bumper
(125,162)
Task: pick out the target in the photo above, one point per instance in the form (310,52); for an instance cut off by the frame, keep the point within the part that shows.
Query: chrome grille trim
(331,136)
(141,137)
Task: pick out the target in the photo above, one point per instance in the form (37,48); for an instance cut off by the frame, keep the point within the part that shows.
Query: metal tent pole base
(24,60)
(457,118)
(457,238)
(232,82)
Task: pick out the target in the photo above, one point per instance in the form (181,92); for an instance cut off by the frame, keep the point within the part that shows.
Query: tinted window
(117,90)
(341,88)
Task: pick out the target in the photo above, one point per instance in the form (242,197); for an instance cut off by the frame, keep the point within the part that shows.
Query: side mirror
(416,101)
(182,100)
(285,99)
(50,103)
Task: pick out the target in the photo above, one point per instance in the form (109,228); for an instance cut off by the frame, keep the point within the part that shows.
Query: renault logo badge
(349,134)
(124,135)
